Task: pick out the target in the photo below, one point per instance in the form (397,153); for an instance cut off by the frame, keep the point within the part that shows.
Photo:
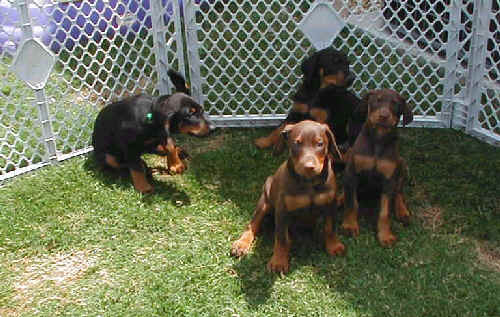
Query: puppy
(126,129)
(342,110)
(302,189)
(326,67)
(373,164)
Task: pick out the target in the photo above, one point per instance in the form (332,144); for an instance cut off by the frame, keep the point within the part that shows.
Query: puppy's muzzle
(309,166)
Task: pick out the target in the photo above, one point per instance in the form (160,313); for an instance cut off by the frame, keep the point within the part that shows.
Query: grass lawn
(75,241)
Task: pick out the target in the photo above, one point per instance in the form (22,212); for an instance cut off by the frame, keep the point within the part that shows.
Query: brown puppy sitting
(302,189)
(373,164)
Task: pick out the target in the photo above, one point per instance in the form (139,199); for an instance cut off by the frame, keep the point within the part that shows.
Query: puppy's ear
(365,102)
(286,129)
(332,143)
(311,72)
(405,110)
(178,81)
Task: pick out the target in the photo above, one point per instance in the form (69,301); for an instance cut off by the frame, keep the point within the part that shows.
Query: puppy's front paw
(177,168)
(240,248)
(350,228)
(386,238)
(335,247)
(278,264)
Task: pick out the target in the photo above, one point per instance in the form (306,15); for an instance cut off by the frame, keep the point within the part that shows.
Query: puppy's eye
(192,111)
(320,144)
(297,141)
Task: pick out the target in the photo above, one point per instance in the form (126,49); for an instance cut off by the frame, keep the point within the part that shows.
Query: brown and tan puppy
(373,164)
(302,189)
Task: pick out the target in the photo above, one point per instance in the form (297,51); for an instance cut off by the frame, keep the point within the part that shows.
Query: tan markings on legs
(140,182)
(269,140)
(386,168)
(241,246)
(363,163)
(319,115)
(385,236)
(279,262)
(175,164)
(332,243)
(111,161)
(297,202)
(402,212)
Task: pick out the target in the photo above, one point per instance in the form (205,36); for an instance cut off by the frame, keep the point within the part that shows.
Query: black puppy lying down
(126,129)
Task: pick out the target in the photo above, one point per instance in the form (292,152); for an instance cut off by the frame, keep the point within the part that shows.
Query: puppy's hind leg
(270,140)
(140,181)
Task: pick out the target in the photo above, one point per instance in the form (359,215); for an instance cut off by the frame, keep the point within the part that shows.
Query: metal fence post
(477,61)
(178,34)
(160,47)
(191,29)
(451,65)
(41,100)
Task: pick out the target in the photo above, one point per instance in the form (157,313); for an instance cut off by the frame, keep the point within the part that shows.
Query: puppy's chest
(309,197)
(374,165)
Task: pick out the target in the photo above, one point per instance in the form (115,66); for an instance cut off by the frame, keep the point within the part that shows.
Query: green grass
(75,241)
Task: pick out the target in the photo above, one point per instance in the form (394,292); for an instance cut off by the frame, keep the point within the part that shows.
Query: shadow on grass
(420,274)
(121,178)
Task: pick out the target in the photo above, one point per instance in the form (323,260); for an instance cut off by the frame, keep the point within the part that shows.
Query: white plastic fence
(61,61)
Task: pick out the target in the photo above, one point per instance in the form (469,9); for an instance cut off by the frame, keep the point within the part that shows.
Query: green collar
(149,117)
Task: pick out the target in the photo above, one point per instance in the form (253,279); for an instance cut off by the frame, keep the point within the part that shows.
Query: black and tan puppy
(126,129)
(302,189)
(326,67)
(373,164)
(342,110)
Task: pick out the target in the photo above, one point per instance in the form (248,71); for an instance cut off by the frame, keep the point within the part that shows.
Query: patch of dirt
(488,256)
(431,217)
(48,278)
(210,143)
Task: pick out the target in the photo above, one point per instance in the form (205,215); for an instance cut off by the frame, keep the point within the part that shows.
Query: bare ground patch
(432,217)
(488,256)
(50,278)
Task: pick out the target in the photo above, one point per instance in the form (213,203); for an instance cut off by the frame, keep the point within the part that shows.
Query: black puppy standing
(126,129)
(323,97)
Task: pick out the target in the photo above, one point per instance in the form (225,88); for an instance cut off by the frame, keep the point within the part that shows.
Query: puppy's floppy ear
(404,109)
(332,143)
(286,129)
(178,81)
(311,72)
(365,104)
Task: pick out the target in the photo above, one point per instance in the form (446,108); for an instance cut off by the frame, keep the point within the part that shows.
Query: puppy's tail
(178,81)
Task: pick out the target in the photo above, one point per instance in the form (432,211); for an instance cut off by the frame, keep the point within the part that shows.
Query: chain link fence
(61,61)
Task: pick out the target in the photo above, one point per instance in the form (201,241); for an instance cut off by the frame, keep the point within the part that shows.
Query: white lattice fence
(61,61)
(101,51)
